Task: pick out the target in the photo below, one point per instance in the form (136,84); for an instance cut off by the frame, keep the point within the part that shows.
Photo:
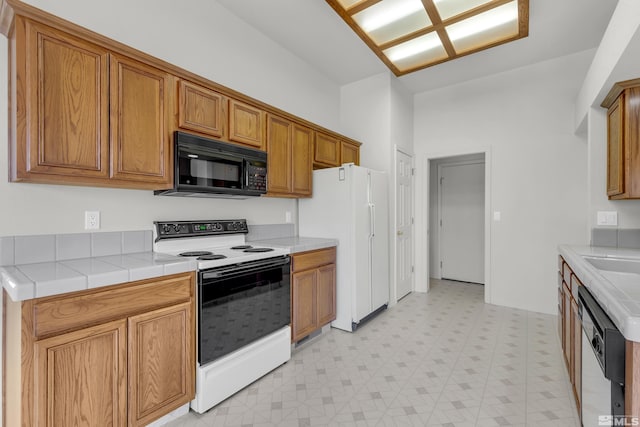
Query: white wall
(538,168)
(628,210)
(616,59)
(200,36)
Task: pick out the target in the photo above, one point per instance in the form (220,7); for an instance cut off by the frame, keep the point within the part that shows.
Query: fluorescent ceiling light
(413,47)
(408,35)
(479,23)
(386,12)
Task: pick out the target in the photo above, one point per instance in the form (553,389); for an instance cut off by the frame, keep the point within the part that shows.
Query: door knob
(400,233)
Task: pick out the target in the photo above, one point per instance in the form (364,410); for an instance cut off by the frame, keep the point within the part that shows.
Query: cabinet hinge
(411,220)
(413,171)
(412,269)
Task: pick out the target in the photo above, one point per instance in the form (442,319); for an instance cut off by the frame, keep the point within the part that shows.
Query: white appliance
(350,204)
(243,304)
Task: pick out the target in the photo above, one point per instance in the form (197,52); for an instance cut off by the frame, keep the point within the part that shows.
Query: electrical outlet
(91,220)
(287,217)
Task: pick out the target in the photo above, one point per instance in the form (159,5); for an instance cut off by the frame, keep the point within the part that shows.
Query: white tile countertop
(28,281)
(39,266)
(617,292)
(297,244)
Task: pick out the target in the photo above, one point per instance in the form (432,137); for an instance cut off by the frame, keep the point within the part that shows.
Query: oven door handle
(248,267)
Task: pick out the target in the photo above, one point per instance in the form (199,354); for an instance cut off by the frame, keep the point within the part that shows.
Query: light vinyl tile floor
(444,358)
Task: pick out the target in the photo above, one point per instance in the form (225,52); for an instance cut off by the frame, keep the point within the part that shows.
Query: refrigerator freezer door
(380,241)
(362,228)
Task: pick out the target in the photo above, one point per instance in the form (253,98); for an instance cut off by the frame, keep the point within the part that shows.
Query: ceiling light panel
(417,52)
(408,35)
(391,19)
(490,27)
(450,8)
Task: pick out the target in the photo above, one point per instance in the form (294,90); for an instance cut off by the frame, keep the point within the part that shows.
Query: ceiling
(311,30)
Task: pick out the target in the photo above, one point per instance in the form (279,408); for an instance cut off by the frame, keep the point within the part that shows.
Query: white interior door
(404,226)
(462,221)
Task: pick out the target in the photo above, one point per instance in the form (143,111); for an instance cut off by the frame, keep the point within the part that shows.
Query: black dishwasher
(603,365)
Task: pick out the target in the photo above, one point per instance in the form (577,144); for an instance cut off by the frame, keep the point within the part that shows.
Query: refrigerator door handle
(372,220)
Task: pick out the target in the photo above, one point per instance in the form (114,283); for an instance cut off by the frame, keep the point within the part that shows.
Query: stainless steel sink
(620,265)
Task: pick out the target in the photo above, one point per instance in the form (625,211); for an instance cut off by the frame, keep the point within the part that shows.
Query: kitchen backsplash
(16,250)
(270,231)
(616,237)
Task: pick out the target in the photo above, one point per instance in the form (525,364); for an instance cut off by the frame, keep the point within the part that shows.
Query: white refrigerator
(350,203)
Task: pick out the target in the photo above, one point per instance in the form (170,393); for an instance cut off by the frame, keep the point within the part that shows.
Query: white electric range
(243,304)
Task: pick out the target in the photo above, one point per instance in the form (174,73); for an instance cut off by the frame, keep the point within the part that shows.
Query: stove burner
(258,250)
(241,247)
(196,253)
(211,257)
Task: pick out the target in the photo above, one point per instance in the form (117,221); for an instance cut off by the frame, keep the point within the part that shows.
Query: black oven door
(241,303)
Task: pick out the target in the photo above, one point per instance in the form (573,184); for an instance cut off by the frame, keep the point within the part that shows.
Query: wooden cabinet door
(327,150)
(349,153)
(161,366)
(304,316)
(615,148)
(577,353)
(278,155)
(201,110)
(246,124)
(81,376)
(301,161)
(326,294)
(64,122)
(141,144)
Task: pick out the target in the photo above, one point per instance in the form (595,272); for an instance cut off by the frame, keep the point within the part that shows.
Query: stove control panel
(175,229)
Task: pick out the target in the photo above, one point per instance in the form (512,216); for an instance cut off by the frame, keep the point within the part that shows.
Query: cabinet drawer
(58,314)
(567,273)
(575,284)
(313,259)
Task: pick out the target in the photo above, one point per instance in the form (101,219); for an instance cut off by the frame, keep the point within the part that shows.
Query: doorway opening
(458,201)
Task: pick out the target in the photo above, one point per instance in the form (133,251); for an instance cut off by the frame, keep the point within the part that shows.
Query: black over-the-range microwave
(209,168)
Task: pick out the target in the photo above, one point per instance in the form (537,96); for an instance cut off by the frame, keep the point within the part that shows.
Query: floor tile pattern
(444,358)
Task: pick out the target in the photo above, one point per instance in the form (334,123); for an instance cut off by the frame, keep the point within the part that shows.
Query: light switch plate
(496,216)
(607,218)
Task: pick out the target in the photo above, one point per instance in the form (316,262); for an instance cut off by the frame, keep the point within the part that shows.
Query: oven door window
(206,170)
(239,309)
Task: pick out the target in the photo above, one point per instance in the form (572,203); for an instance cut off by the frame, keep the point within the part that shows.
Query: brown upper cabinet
(330,151)
(623,140)
(289,158)
(87,110)
(213,114)
(85,115)
(349,153)
(201,110)
(246,124)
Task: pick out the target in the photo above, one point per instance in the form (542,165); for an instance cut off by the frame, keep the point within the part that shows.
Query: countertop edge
(602,289)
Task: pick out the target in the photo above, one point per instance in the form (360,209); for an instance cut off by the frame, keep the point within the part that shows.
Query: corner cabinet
(84,115)
(313,291)
(289,158)
(116,356)
(623,140)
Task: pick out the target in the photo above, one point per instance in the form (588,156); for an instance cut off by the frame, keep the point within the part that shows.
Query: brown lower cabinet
(313,291)
(570,326)
(120,356)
